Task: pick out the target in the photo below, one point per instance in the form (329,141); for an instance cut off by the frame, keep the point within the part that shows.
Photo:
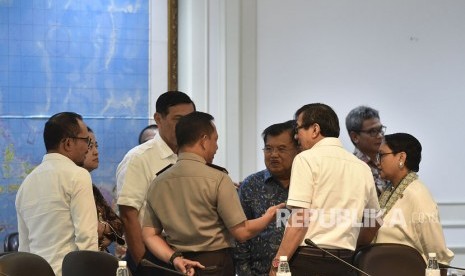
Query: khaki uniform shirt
(195,204)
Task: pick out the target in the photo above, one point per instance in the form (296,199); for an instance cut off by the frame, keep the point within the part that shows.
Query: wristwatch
(174,256)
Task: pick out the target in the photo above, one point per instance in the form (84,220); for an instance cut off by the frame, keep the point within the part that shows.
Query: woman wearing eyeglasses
(410,212)
(110,226)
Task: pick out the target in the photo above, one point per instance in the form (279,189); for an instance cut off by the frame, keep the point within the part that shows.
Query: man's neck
(284,181)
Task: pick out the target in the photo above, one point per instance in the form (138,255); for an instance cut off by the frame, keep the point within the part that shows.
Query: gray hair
(356,117)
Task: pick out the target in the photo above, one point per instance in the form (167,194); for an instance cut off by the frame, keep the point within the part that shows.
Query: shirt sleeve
(132,183)
(150,218)
(84,212)
(429,229)
(229,207)
(301,186)
(372,202)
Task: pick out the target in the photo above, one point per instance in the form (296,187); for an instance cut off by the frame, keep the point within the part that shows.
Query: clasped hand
(186,266)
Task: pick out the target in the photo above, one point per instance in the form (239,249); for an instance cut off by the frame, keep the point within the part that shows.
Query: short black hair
(59,126)
(278,129)
(404,142)
(321,114)
(192,127)
(171,98)
(152,126)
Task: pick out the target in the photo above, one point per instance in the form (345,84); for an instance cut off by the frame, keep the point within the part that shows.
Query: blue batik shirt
(257,193)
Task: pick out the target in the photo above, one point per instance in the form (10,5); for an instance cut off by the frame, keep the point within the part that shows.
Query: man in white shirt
(139,168)
(329,190)
(55,204)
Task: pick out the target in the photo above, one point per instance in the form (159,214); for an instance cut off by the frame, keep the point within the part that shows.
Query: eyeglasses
(373,132)
(297,127)
(380,155)
(93,145)
(87,139)
(279,150)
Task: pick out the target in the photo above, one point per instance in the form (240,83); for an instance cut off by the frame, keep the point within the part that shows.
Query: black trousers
(309,261)
(217,263)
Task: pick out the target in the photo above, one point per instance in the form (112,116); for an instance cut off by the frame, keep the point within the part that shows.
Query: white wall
(158,52)
(405,58)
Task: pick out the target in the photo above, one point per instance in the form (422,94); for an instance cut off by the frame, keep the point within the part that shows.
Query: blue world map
(89,57)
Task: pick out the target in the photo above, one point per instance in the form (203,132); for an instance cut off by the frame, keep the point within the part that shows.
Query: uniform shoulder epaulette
(218,168)
(164,169)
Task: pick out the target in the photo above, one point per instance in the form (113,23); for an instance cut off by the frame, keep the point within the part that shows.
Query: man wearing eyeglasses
(329,190)
(366,133)
(55,204)
(262,190)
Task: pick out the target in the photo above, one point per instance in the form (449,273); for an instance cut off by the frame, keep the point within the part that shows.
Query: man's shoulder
(144,152)
(164,169)
(218,168)
(256,178)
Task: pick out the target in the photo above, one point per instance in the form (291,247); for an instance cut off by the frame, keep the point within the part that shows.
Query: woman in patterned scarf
(110,226)
(410,212)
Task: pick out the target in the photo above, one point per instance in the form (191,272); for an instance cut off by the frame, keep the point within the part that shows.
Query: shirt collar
(362,156)
(267,177)
(329,141)
(165,150)
(191,156)
(57,156)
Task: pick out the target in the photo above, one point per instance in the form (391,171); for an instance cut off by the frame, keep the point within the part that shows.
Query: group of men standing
(192,209)
(182,212)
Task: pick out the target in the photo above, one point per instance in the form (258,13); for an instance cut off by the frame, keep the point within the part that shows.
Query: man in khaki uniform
(196,204)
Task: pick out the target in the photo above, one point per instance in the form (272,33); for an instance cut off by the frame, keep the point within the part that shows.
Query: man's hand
(271,212)
(186,266)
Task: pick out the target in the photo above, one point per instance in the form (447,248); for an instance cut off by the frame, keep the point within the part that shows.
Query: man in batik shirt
(366,133)
(262,190)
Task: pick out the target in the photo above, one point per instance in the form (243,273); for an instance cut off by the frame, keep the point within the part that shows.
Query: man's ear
(353,137)
(315,128)
(157,118)
(65,144)
(202,142)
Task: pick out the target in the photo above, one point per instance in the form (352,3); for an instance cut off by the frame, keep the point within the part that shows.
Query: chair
(89,263)
(387,259)
(24,264)
(11,242)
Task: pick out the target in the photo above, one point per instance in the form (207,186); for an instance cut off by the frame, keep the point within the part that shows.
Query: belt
(315,252)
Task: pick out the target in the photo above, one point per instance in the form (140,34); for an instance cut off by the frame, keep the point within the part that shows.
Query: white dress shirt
(56,210)
(138,169)
(335,187)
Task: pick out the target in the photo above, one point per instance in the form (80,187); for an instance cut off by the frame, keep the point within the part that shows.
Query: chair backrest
(24,264)
(11,242)
(89,263)
(387,259)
